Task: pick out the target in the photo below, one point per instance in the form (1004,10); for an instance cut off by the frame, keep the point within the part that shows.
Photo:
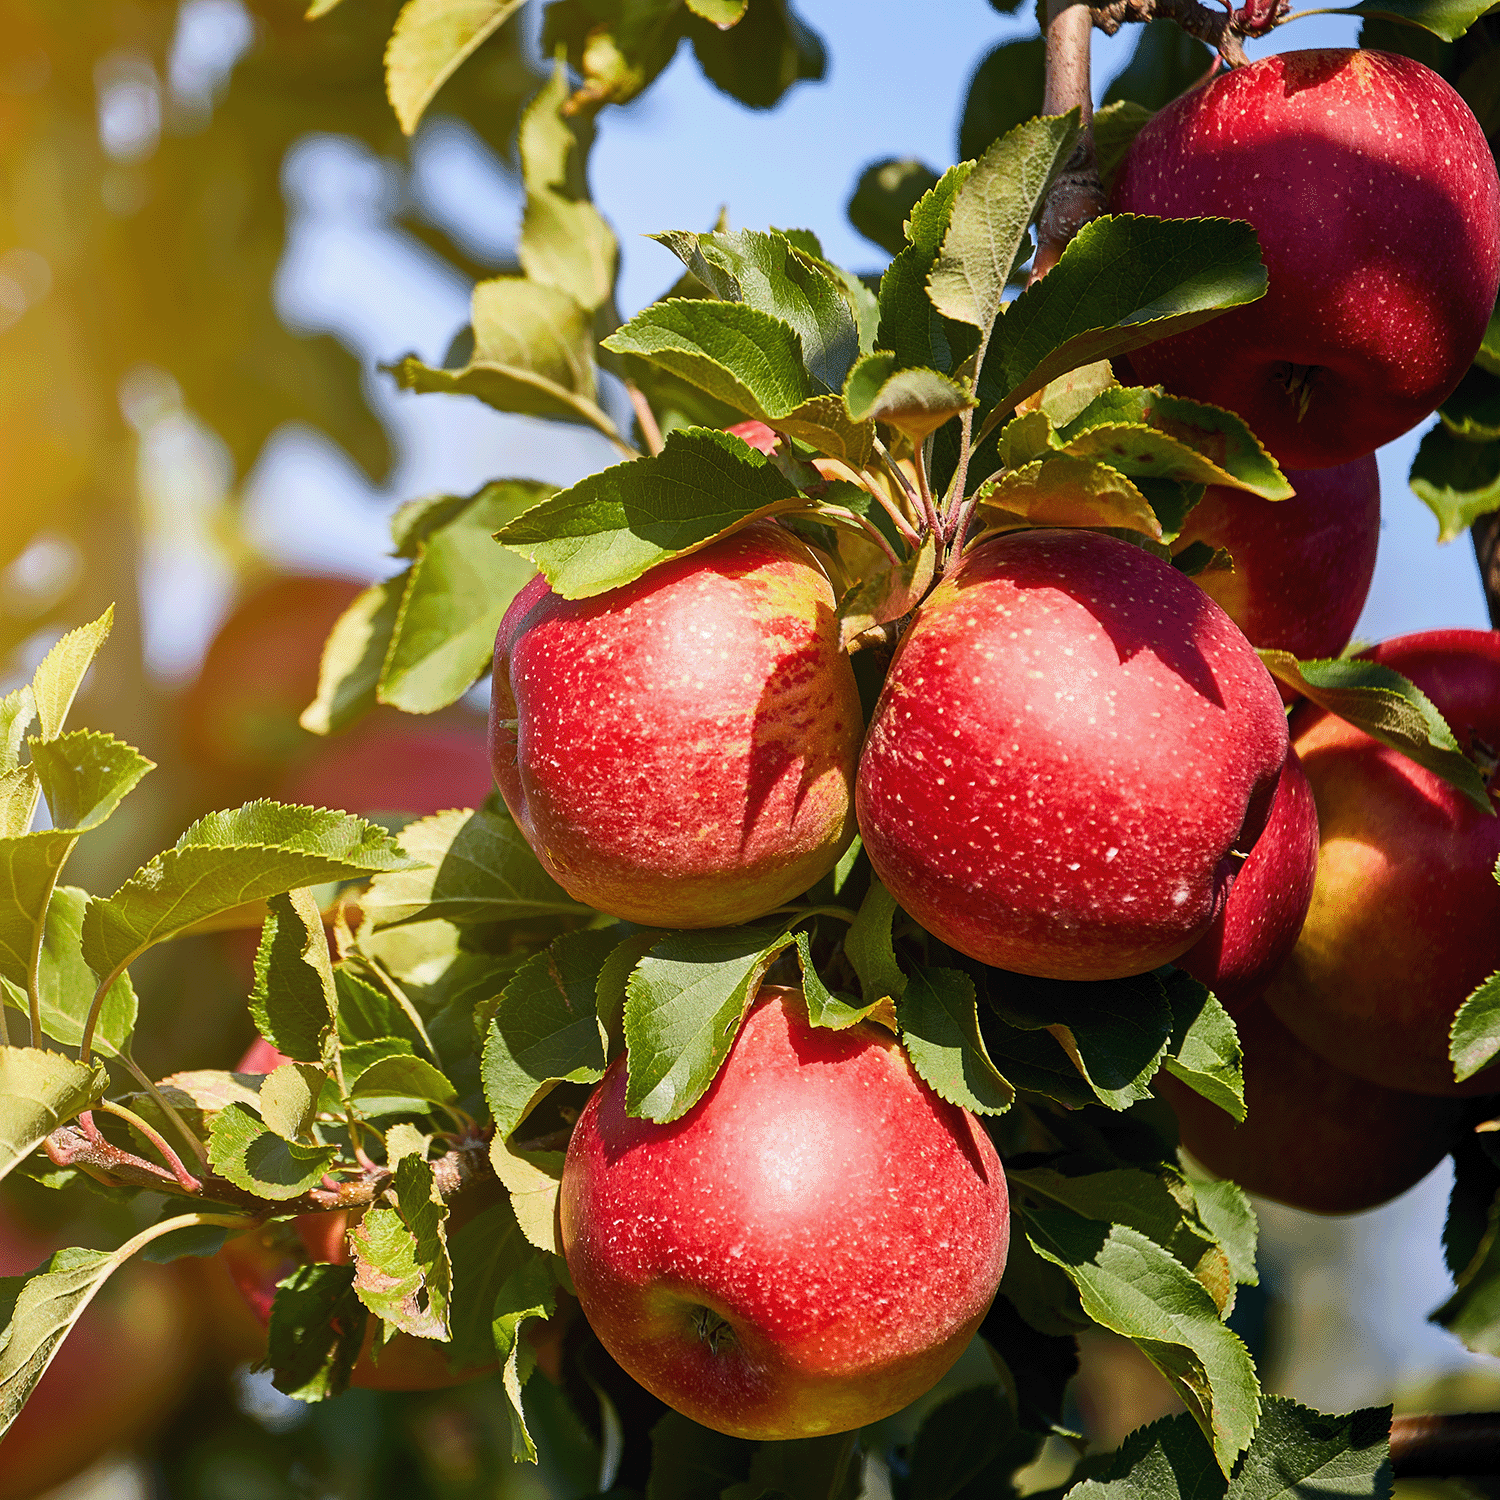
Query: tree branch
(1485,534)
(1220,29)
(1433,1447)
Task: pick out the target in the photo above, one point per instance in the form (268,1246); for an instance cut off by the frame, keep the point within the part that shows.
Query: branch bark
(1220,29)
(1485,534)
(1434,1447)
(1077,195)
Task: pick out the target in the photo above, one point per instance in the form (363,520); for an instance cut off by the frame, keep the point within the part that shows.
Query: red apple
(1268,901)
(808,1249)
(1405,916)
(113,1378)
(680,752)
(1314,1137)
(1302,567)
(1071,745)
(1374,195)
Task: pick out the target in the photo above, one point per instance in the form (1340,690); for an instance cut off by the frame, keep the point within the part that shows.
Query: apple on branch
(808,1249)
(1073,750)
(680,751)
(1374,195)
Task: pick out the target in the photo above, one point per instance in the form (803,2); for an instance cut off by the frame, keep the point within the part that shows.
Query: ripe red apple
(1268,901)
(113,1378)
(808,1249)
(1405,916)
(1302,567)
(1313,1137)
(1374,195)
(1071,745)
(680,752)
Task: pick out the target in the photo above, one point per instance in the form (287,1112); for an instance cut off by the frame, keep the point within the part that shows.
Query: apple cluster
(1078,768)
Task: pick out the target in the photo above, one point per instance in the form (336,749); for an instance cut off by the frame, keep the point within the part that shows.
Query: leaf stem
(199,1150)
(650,427)
(86,1046)
(864,524)
(924,489)
(909,533)
(186,1180)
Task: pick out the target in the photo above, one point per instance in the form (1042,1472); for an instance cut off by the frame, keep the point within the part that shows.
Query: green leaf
(1474,1038)
(764,270)
(1169,1460)
(1298,1452)
(612,527)
(1166,62)
(1129,1284)
(1204,1051)
(532,354)
(353,656)
(294,1004)
(259,1160)
(683,1009)
(868,946)
(66,984)
(723,13)
(939,1021)
(1447,19)
(689,1462)
(824,1008)
(317,1329)
(476,867)
(913,401)
(1473,410)
(1116,1032)
(431,39)
(750,361)
(528,1293)
(486,1252)
(546,1029)
(565,241)
(1122,282)
(1150,435)
(991,215)
(56,681)
(762,57)
(224,860)
(1389,708)
(459,588)
(1066,491)
(887,593)
(1457,480)
(1116,126)
(885,195)
(1006,91)
(288,1099)
(398,1079)
(39,1091)
(969,1446)
(1487,357)
(17,714)
(1227,1214)
(402,1272)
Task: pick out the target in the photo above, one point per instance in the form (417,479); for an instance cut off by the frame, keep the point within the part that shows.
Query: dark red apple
(1302,567)
(1374,195)
(808,1249)
(113,1378)
(680,752)
(1313,1137)
(1072,744)
(1405,915)
(1268,901)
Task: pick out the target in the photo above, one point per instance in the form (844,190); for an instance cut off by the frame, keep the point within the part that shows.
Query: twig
(185,1179)
(650,427)
(1220,29)
(1485,534)
(1437,1447)
(1077,195)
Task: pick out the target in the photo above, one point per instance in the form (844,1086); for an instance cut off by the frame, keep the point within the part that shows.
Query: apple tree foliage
(469,1002)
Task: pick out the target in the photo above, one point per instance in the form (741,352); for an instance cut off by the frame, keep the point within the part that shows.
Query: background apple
(765,1267)
(1302,567)
(685,745)
(1072,741)
(1374,195)
(1314,1137)
(1268,901)
(1405,915)
(114,1377)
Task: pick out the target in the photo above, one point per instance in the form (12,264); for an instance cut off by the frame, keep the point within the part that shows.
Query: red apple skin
(847,1225)
(1302,567)
(113,1378)
(1375,199)
(1405,915)
(1071,742)
(1313,1137)
(686,744)
(1268,902)
(759,436)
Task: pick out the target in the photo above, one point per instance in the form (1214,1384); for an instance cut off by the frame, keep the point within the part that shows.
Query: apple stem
(1220,29)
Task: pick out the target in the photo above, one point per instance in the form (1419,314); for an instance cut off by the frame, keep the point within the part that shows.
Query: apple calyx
(713,1328)
(1298,381)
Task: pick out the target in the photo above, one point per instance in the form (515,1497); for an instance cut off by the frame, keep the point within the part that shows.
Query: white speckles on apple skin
(1098,844)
